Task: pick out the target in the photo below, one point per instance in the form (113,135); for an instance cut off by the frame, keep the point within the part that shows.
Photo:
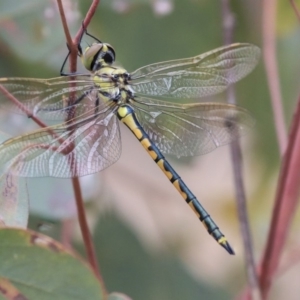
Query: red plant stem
(269,53)
(237,164)
(286,199)
(65,24)
(71,46)
(89,246)
(77,191)
(88,17)
(21,106)
(295,9)
(285,205)
(288,184)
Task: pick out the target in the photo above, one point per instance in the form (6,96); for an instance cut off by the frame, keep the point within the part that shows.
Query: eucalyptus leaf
(40,268)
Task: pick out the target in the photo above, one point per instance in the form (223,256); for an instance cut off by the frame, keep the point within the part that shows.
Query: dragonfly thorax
(113,84)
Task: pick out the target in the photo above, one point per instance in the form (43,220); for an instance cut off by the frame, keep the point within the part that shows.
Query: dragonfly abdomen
(126,114)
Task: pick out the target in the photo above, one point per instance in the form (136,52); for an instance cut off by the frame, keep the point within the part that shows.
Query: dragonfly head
(98,55)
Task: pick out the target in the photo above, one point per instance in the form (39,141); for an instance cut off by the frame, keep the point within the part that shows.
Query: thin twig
(288,189)
(77,191)
(297,12)
(29,114)
(288,184)
(237,162)
(88,17)
(65,24)
(269,53)
(71,45)
(88,243)
(22,107)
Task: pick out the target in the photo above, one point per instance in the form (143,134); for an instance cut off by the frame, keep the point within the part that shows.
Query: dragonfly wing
(203,75)
(191,129)
(66,150)
(50,99)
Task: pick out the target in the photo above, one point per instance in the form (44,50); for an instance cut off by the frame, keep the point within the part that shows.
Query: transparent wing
(85,146)
(203,75)
(49,99)
(191,129)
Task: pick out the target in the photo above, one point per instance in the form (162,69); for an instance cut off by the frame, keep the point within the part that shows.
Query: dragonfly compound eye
(108,54)
(97,56)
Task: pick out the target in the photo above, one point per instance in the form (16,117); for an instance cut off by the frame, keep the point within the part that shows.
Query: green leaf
(41,268)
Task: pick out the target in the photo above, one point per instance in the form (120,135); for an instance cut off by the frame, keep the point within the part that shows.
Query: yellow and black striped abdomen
(126,114)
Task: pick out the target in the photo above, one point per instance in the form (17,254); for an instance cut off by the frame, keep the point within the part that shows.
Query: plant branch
(21,106)
(70,44)
(88,243)
(73,48)
(65,25)
(269,53)
(237,162)
(295,9)
(288,188)
(286,200)
(88,17)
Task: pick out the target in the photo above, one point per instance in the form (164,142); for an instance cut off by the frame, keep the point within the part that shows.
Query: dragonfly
(159,103)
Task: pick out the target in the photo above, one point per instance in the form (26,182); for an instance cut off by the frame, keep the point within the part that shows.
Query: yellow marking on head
(193,208)
(104,48)
(146,144)
(88,55)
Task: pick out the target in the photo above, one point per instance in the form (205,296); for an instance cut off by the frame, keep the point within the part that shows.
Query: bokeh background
(149,243)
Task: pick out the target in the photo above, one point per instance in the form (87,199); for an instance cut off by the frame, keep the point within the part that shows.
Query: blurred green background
(149,243)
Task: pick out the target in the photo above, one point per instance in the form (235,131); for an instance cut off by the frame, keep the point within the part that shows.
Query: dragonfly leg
(80,52)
